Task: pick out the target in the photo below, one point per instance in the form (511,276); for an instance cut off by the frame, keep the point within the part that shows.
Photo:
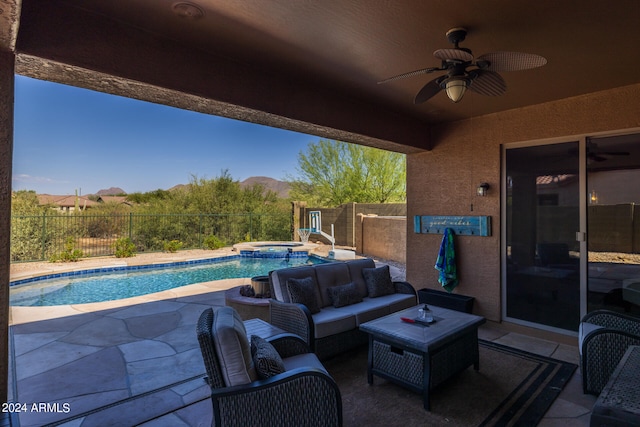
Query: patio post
(7,68)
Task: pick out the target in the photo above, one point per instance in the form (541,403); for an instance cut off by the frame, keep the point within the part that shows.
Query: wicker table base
(421,357)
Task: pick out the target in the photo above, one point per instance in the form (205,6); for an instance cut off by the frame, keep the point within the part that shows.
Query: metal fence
(39,238)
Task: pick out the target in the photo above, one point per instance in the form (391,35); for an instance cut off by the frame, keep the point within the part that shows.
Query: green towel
(446,262)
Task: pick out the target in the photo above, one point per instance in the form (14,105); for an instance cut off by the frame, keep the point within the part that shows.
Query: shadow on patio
(114,364)
(138,362)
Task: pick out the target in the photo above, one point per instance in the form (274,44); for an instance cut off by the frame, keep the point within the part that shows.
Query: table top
(623,389)
(448,325)
(261,328)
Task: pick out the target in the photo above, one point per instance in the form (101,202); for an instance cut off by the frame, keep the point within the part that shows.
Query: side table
(619,401)
(261,328)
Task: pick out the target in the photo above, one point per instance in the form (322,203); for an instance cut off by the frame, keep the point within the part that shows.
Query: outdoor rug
(512,388)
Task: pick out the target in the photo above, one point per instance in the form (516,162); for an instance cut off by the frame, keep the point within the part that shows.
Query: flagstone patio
(137,361)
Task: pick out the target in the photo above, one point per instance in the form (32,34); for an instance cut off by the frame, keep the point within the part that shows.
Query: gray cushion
(369,309)
(278,279)
(331,321)
(329,275)
(343,295)
(232,347)
(378,281)
(266,359)
(303,291)
(399,302)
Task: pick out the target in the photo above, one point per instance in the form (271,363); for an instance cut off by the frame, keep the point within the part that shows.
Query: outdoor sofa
(325,304)
(603,338)
(251,385)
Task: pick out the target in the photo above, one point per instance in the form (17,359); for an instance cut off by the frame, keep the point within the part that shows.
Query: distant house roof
(556,179)
(65,201)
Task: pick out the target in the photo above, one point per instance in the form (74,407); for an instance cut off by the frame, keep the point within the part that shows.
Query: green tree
(334,172)
(28,239)
(220,207)
(147,197)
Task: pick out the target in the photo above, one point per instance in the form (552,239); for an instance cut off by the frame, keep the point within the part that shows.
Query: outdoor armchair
(604,337)
(303,395)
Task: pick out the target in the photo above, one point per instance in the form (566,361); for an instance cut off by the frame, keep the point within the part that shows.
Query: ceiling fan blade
(613,153)
(596,158)
(429,90)
(487,83)
(459,54)
(511,61)
(411,74)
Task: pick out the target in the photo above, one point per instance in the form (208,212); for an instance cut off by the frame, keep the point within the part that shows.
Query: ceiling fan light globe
(455,89)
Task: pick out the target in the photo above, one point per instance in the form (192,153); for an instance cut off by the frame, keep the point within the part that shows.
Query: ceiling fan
(480,76)
(596,154)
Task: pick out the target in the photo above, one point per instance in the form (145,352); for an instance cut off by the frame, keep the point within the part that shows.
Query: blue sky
(66,138)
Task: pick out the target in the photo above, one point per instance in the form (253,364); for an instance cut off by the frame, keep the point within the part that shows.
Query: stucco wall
(466,153)
(382,236)
(343,218)
(6,156)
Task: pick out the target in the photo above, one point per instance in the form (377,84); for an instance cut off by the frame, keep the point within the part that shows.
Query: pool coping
(119,268)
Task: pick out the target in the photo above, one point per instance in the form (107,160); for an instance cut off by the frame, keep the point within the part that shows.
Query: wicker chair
(304,395)
(604,337)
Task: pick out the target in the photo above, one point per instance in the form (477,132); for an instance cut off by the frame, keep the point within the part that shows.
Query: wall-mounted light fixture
(482,189)
(593,197)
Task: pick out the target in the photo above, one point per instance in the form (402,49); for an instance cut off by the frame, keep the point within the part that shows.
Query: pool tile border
(260,254)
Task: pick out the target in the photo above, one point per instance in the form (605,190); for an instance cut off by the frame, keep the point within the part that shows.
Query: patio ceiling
(314,66)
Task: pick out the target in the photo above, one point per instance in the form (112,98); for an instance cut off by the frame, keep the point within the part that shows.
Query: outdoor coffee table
(418,356)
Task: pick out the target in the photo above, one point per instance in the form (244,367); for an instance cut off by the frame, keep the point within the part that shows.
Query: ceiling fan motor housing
(456,35)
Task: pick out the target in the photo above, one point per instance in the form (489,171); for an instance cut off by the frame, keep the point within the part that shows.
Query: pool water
(124,284)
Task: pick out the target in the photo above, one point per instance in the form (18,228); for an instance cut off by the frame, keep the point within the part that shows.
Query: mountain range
(281,188)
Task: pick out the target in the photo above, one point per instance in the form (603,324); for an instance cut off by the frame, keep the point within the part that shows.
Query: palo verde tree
(335,172)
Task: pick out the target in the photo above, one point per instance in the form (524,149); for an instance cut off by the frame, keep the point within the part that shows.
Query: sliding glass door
(613,190)
(571,230)
(541,279)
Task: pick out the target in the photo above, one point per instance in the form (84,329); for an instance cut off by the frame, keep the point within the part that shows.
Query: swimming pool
(124,282)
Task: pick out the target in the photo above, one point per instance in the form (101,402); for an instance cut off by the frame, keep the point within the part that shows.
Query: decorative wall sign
(461,225)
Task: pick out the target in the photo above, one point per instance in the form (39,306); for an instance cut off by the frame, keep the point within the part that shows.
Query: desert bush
(124,248)
(212,242)
(173,246)
(70,253)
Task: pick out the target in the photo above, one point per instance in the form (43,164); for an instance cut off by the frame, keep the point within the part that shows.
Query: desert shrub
(213,242)
(70,253)
(124,248)
(173,246)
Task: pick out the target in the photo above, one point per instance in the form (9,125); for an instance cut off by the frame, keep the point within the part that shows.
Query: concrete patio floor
(137,361)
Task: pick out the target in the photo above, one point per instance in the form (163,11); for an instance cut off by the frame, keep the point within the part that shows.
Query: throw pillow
(344,295)
(266,359)
(378,281)
(303,291)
